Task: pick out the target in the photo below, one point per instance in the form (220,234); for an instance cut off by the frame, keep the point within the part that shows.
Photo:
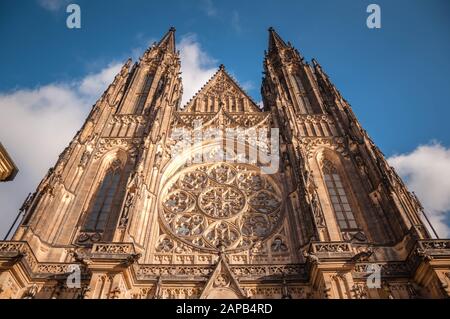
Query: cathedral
(223,197)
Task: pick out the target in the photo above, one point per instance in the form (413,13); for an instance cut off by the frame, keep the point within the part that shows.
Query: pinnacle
(168,41)
(275,41)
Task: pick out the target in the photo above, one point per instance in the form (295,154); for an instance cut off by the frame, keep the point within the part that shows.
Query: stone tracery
(226,204)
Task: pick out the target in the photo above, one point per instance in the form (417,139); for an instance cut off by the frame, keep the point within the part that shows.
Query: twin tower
(138,206)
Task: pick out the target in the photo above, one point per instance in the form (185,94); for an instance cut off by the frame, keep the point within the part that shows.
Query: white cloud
(52,5)
(209,8)
(37,124)
(197,66)
(426,171)
(248,86)
(236,22)
(95,83)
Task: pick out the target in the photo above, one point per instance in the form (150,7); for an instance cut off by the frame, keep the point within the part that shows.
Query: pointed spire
(315,63)
(168,41)
(275,41)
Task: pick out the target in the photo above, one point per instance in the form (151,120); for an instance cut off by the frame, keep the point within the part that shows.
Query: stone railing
(13,249)
(388,269)
(259,271)
(145,271)
(435,244)
(113,249)
(428,249)
(152,271)
(337,247)
(53,268)
(332,249)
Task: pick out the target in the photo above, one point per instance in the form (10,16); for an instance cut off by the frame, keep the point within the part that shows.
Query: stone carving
(129,200)
(84,158)
(113,248)
(221,280)
(435,244)
(278,245)
(180,293)
(317,211)
(106,144)
(221,202)
(311,258)
(145,271)
(165,244)
(31,292)
(331,247)
(227,203)
(53,268)
(221,91)
(89,237)
(19,250)
(312,144)
(359,291)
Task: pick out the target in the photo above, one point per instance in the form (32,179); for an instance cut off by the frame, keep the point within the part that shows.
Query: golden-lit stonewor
(8,169)
(139,222)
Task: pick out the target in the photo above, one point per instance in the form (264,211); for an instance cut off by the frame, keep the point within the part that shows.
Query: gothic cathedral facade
(121,216)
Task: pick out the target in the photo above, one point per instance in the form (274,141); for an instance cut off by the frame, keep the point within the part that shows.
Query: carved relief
(106,144)
(231,205)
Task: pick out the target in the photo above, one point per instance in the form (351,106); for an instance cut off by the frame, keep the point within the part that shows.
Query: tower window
(142,96)
(339,199)
(103,201)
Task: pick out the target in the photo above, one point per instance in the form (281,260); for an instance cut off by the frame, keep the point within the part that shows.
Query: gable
(221,92)
(222,284)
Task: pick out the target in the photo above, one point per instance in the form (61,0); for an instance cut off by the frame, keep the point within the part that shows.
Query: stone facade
(132,220)
(8,169)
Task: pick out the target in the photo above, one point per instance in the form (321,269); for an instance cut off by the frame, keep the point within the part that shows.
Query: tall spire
(275,41)
(168,41)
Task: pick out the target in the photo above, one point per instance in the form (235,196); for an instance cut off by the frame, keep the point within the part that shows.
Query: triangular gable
(221,91)
(222,284)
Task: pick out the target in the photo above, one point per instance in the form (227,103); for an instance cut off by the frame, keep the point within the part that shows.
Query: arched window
(143,94)
(338,197)
(103,201)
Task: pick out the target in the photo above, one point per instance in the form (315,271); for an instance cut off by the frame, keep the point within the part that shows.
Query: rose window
(212,206)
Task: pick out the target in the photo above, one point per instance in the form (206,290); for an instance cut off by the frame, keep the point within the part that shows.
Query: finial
(221,67)
(271,29)
(172,29)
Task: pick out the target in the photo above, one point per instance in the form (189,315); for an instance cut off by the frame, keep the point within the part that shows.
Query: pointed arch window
(142,95)
(338,197)
(103,202)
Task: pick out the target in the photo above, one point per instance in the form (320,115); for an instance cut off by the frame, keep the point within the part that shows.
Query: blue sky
(396,78)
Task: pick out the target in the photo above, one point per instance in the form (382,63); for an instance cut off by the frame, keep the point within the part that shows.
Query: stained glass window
(339,199)
(103,201)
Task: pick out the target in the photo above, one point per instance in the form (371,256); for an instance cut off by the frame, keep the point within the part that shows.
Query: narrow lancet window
(338,198)
(103,201)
